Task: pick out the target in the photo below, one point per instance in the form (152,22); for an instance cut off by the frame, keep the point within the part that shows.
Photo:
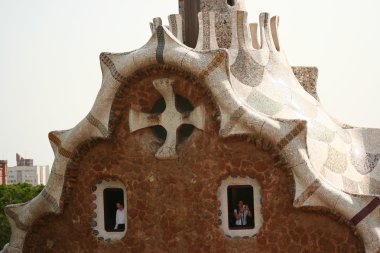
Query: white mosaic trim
(223,209)
(98,225)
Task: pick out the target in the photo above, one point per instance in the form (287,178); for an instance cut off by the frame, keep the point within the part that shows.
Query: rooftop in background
(22,161)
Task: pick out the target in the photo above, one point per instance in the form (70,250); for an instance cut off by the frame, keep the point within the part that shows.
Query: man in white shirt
(241,214)
(120,217)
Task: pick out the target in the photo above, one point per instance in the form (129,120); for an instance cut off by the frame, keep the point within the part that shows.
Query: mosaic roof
(257,93)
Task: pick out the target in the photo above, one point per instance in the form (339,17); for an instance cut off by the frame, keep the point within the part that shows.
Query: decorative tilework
(344,135)
(364,162)
(16,219)
(336,161)
(160,45)
(372,185)
(241,68)
(366,211)
(111,66)
(53,138)
(96,123)
(234,119)
(319,132)
(49,198)
(245,68)
(215,63)
(307,77)
(204,39)
(263,103)
(65,153)
(309,191)
(291,135)
(222,20)
(175,22)
(349,184)
(206,31)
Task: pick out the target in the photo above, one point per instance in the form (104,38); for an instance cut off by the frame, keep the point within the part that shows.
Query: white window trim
(100,228)
(223,209)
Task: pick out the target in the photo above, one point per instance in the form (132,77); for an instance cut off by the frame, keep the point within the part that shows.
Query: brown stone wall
(172,205)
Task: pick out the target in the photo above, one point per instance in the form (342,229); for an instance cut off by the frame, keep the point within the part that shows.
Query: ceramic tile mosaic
(175,22)
(207,35)
(245,77)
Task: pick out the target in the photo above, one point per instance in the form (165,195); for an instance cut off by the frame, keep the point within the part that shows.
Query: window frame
(98,223)
(252,206)
(222,195)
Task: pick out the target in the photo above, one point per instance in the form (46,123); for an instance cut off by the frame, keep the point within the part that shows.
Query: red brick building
(3,172)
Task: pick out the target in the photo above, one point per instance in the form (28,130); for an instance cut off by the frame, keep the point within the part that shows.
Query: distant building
(23,162)
(26,172)
(3,172)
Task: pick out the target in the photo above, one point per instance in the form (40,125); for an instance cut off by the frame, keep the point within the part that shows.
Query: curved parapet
(257,95)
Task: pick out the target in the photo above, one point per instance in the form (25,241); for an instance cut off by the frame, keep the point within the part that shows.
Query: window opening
(240,207)
(114,201)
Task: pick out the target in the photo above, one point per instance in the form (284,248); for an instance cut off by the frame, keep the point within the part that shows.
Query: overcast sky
(50,74)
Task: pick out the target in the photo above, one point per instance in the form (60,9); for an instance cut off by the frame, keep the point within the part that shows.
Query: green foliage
(13,194)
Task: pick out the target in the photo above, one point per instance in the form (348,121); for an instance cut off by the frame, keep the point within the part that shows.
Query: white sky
(50,74)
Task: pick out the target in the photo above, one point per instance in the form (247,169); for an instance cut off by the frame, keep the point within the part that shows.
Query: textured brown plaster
(172,205)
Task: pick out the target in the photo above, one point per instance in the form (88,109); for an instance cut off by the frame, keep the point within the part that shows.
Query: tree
(13,194)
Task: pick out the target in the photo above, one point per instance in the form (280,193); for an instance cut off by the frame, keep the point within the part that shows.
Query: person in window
(241,214)
(120,217)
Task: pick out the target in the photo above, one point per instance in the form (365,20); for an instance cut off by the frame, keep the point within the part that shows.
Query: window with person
(109,207)
(114,213)
(240,207)
(239,212)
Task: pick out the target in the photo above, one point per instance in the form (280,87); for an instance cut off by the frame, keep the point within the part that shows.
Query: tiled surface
(253,93)
(173,204)
(307,77)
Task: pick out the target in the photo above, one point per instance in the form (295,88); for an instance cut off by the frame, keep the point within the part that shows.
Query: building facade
(223,147)
(3,172)
(34,175)
(21,161)
(26,172)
